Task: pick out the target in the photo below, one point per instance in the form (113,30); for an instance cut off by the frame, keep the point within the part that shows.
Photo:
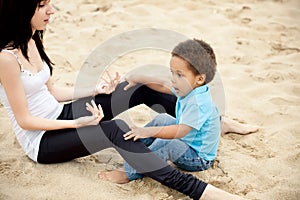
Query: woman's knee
(114,129)
(122,125)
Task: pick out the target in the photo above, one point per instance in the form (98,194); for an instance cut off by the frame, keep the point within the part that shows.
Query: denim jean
(174,150)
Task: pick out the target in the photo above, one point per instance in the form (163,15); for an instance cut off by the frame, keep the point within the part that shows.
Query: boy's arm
(156,83)
(165,132)
(156,77)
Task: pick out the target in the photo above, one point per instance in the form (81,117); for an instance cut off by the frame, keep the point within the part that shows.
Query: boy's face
(183,79)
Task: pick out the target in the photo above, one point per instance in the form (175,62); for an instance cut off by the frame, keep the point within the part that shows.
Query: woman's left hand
(107,86)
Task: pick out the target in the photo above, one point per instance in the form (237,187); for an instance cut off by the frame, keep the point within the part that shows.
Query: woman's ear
(200,79)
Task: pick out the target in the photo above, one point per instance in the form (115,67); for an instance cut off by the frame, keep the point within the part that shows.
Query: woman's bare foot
(213,193)
(232,126)
(116,176)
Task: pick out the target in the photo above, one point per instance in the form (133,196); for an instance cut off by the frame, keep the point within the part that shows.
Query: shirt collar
(198,90)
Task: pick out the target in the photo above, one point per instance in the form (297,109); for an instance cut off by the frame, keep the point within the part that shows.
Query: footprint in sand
(280,101)
(273,73)
(278,48)
(272,76)
(6,169)
(234,13)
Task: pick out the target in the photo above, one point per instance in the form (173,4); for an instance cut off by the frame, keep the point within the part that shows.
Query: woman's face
(42,15)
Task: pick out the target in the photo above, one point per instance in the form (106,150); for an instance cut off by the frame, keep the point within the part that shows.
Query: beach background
(257,46)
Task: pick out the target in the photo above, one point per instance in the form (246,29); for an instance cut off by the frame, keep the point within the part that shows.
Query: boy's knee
(162,119)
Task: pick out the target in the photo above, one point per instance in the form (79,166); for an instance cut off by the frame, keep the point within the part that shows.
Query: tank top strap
(15,55)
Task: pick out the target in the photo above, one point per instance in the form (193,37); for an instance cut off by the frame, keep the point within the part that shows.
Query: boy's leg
(232,126)
(163,119)
(160,120)
(179,153)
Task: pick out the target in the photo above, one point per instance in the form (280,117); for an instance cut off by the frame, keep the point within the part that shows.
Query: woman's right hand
(97,115)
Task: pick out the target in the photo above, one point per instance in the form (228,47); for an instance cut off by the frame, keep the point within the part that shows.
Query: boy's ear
(201,79)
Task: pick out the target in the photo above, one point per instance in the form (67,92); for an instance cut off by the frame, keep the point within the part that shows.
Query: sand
(257,47)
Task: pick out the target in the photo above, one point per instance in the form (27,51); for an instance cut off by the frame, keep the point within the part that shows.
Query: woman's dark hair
(15,27)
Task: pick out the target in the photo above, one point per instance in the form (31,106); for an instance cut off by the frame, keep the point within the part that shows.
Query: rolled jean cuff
(133,176)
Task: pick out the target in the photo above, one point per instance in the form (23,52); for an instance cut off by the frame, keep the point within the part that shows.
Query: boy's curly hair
(199,55)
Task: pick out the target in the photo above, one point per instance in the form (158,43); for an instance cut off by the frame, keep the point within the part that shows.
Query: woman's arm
(10,80)
(63,94)
(165,132)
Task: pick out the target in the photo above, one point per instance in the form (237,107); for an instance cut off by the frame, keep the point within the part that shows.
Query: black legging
(67,144)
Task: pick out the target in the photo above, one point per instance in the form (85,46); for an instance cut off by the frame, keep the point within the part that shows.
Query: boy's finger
(127,138)
(135,138)
(127,134)
(129,85)
(126,87)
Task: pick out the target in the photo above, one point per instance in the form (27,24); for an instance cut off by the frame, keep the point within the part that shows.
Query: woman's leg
(64,145)
(121,100)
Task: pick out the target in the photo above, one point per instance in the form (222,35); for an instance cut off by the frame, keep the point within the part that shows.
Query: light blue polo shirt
(198,111)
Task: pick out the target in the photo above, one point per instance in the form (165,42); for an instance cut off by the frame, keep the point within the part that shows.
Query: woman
(51,132)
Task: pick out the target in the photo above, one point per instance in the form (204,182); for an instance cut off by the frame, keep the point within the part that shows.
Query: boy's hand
(138,132)
(130,84)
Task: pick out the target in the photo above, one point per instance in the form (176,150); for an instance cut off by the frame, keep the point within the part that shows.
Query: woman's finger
(101,110)
(95,108)
(116,79)
(89,107)
(109,76)
(105,80)
(93,104)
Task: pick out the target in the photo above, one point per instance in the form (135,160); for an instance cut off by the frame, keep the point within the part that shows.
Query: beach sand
(257,46)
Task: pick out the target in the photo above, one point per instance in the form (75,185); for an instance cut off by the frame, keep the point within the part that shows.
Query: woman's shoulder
(9,65)
(8,58)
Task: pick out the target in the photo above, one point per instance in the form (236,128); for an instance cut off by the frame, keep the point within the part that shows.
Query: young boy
(191,140)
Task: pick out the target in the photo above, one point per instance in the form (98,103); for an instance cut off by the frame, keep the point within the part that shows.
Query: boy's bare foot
(232,126)
(213,193)
(116,176)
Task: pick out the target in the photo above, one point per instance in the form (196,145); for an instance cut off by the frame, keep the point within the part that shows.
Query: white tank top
(41,103)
